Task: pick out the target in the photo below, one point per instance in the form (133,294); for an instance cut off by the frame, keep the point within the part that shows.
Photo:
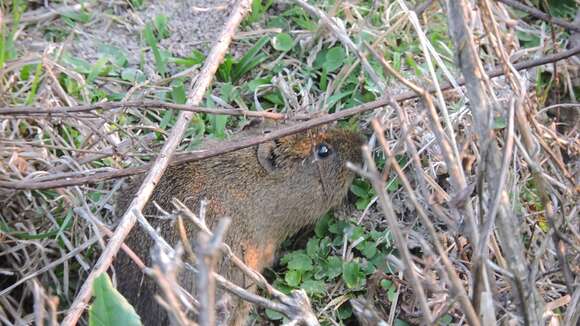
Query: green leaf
(277,22)
(150,39)
(110,308)
(528,40)
(333,267)
(67,221)
(355,232)
(25,71)
(274,315)
(225,69)
(312,247)
(81,16)
(250,60)
(178,93)
(338,228)
(161,26)
(5,228)
(323,79)
(79,65)
(259,8)
(369,250)
(195,59)
(305,23)
(136,3)
(397,61)
(167,119)
(352,274)
(98,69)
(218,125)
(563,8)
(394,184)
(282,42)
(325,247)
(386,284)
(34,87)
(292,278)
(392,293)
(321,228)
(375,235)
(300,262)
(228,92)
(313,287)
(499,123)
(133,75)
(362,203)
(332,100)
(116,55)
(334,59)
(344,312)
(445,319)
(361,188)
(275,98)
(399,322)
(282,286)
(253,84)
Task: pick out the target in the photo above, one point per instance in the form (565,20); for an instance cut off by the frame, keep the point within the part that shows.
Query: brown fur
(266,205)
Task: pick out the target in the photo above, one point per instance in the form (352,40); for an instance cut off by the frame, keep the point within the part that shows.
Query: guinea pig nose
(323,150)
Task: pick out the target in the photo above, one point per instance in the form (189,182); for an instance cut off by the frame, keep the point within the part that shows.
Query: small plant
(231,70)
(136,4)
(364,191)
(320,266)
(7,35)
(330,61)
(259,8)
(151,40)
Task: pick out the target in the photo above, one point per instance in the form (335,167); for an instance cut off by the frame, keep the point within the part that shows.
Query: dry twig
(66,111)
(296,306)
(88,177)
(387,207)
(530,302)
(542,15)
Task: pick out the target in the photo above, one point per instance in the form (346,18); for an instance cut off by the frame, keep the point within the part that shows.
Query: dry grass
(49,239)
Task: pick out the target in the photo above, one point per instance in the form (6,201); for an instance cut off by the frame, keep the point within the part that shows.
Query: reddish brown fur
(265,205)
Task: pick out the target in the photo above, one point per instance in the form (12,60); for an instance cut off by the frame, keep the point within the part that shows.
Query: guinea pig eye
(323,151)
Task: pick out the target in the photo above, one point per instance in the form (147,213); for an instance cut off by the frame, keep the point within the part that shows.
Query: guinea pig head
(317,157)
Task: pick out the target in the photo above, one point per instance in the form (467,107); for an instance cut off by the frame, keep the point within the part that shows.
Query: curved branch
(229,146)
(541,15)
(64,110)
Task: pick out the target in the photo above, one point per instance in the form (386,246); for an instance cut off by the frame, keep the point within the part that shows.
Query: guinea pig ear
(265,155)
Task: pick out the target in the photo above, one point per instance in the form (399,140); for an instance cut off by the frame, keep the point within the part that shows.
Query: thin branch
(529,301)
(207,255)
(229,254)
(50,266)
(420,9)
(454,280)
(142,196)
(487,227)
(541,15)
(61,111)
(387,207)
(295,306)
(450,156)
(229,146)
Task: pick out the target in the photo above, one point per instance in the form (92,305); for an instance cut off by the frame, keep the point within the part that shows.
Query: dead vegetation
(475,178)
